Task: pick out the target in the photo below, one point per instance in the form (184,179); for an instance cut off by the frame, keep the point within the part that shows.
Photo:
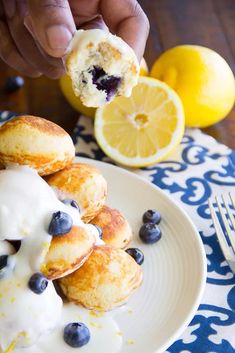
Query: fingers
(11,56)
(128,21)
(52,24)
(96,22)
(27,46)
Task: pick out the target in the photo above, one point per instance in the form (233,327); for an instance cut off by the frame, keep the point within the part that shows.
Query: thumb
(51,24)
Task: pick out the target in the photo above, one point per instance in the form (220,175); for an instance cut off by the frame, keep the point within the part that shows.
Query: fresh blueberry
(61,223)
(38,283)
(99,230)
(72,203)
(150,233)
(76,334)
(13,83)
(3,265)
(3,261)
(105,82)
(137,255)
(152,216)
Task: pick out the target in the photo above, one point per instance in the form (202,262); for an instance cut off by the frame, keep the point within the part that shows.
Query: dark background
(204,22)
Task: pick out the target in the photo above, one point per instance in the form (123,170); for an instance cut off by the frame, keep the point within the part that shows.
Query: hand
(35,34)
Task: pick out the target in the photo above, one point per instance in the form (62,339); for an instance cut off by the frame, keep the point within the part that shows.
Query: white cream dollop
(27,205)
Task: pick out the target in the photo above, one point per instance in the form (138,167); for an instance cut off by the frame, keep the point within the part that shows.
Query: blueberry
(3,265)
(99,230)
(38,283)
(152,216)
(105,82)
(150,233)
(13,84)
(76,334)
(137,255)
(61,223)
(72,203)
(3,261)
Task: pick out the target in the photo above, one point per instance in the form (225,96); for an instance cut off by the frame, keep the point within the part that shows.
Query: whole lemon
(74,101)
(202,79)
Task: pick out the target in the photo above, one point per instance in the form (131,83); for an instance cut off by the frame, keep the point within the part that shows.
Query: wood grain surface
(205,22)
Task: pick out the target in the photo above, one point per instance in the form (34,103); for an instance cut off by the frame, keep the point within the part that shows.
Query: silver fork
(227,249)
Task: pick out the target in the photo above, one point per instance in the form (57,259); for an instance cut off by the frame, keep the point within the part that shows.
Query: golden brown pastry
(36,142)
(84,184)
(68,252)
(106,280)
(116,230)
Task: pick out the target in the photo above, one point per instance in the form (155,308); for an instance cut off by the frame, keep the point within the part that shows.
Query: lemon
(143,129)
(202,79)
(144,70)
(74,101)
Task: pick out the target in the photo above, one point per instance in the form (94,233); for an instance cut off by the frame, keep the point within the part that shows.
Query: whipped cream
(27,205)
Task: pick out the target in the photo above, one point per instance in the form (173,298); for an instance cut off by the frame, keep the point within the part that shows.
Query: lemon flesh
(143,129)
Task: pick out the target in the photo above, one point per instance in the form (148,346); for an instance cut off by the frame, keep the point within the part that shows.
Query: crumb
(96,314)
(119,333)
(130,342)
(95,324)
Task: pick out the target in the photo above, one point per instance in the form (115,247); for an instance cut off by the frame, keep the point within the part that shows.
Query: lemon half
(143,129)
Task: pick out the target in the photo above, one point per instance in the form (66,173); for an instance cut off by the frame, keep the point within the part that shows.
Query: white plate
(174,268)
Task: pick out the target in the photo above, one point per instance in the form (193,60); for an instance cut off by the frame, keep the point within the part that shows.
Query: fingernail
(58,37)
(10,8)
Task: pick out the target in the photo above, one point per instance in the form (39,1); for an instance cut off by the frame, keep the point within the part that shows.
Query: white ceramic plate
(174,268)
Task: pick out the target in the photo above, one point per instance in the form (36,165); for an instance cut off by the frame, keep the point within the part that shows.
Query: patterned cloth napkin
(199,168)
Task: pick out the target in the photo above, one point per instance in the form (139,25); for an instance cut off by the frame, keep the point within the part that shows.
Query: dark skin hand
(35,34)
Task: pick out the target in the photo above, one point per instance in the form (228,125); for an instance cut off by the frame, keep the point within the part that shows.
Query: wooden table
(206,22)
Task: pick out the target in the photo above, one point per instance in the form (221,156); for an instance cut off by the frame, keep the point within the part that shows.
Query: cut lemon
(143,129)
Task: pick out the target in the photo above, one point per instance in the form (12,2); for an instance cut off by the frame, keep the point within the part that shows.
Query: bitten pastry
(84,184)
(116,230)
(101,66)
(35,142)
(106,280)
(68,252)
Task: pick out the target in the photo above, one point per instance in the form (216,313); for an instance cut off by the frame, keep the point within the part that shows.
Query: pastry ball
(84,184)
(35,142)
(68,252)
(101,66)
(106,280)
(116,230)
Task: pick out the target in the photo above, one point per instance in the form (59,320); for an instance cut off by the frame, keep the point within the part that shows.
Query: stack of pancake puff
(98,277)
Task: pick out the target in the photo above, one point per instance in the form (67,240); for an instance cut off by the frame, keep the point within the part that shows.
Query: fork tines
(224,224)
